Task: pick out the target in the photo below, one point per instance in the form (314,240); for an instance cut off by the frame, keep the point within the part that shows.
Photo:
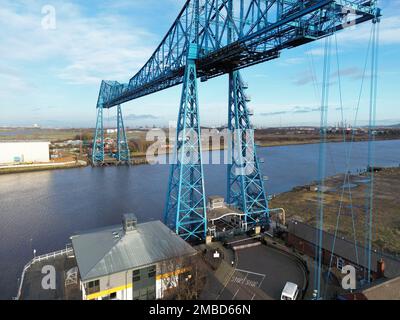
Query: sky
(50,74)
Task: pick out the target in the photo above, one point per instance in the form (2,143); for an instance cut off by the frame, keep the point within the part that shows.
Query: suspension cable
(322,166)
(371,151)
(373,42)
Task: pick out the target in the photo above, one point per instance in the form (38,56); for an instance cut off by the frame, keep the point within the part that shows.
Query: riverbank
(54,205)
(316,140)
(277,143)
(345,200)
(41,167)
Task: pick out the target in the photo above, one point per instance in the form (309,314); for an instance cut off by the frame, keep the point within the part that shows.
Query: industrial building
(223,219)
(131,262)
(382,290)
(301,236)
(24,152)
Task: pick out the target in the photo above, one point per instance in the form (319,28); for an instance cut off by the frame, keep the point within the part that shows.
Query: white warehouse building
(24,151)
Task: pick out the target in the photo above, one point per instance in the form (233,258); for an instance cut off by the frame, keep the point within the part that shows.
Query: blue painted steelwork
(211,38)
(185,211)
(123,153)
(106,91)
(231,35)
(98,141)
(245,181)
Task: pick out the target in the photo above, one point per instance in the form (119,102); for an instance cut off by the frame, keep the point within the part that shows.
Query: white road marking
(255,273)
(229,280)
(261,282)
(233,298)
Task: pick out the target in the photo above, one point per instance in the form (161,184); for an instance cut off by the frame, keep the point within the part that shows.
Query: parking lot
(261,274)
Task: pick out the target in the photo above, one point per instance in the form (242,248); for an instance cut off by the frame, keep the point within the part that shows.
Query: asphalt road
(261,274)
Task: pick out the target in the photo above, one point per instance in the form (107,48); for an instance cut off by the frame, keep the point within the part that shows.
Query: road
(261,274)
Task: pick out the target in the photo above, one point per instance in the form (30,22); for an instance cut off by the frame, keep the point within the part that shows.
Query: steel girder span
(210,38)
(234,34)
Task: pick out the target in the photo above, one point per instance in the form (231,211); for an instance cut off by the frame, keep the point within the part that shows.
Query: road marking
(227,282)
(261,282)
(251,272)
(233,298)
(253,297)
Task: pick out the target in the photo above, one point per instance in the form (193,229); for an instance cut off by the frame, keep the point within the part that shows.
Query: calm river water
(41,210)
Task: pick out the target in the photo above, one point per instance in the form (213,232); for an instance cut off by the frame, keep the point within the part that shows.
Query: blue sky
(52,77)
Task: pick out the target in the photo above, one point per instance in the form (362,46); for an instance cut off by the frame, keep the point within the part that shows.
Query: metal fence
(68,251)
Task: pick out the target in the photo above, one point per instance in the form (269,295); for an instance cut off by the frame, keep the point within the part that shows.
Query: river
(41,210)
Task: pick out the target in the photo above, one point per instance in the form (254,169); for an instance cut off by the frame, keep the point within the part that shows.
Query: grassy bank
(349,202)
(313,140)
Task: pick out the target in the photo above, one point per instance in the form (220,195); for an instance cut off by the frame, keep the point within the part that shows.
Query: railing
(67,251)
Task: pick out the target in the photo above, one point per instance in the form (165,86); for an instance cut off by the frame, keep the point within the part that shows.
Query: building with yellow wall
(130,262)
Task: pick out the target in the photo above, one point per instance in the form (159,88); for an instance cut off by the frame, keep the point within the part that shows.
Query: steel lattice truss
(123,153)
(98,142)
(208,39)
(234,34)
(98,150)
(245,181)
(186,206)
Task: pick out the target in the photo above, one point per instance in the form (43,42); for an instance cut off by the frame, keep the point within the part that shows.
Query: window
(151,293)
(113,296)
(93,287)
(143,294)
(340,263)
(152,272)
(136,275)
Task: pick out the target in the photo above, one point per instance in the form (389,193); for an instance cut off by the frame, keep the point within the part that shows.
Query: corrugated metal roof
(108,251)
(345,248)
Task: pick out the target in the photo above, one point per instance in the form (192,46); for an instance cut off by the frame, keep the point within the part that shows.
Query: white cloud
(389,32)
(12,81)
(82,50)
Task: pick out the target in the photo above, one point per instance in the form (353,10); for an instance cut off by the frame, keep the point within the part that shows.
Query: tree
(185,278)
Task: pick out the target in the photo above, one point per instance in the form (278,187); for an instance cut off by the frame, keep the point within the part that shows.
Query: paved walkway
(217,280)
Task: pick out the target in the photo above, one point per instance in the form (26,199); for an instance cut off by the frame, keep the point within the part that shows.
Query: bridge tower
(98,150)
(185,211)
(123,153)
(245,180)
(98,141)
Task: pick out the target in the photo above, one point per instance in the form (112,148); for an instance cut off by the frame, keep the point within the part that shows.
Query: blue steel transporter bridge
(208,39)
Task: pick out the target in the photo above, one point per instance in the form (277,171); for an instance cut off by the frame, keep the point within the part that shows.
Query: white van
(290,292)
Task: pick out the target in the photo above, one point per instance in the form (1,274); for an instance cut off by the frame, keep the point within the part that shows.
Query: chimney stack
(129,222)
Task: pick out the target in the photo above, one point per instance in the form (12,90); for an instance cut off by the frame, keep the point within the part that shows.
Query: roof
(24,141)
(109,250)
(218,213)
(379,290)
(388,290)
(216,198)
(345,248)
